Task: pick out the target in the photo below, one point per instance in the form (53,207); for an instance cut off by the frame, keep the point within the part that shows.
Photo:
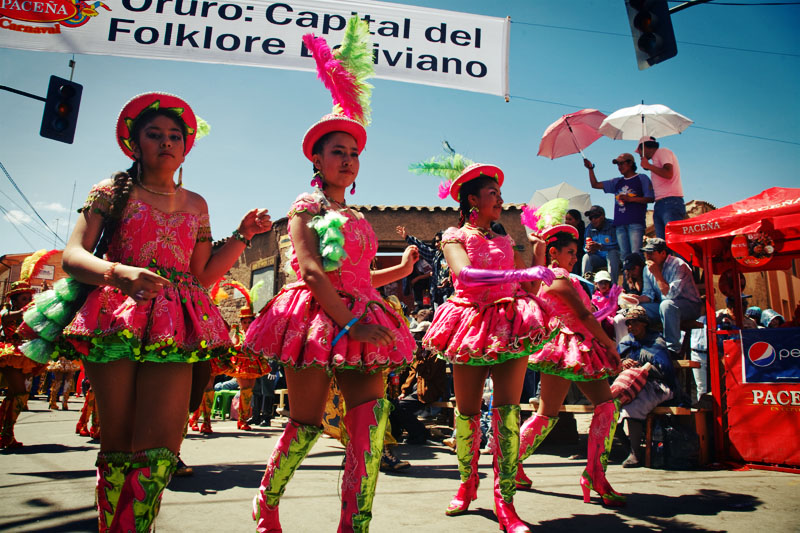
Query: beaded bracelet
(238,236)
(108,275)
(344,330)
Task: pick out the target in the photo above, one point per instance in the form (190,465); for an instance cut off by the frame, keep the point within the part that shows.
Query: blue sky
(258,116)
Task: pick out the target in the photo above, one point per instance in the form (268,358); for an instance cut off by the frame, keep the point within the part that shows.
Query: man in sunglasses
(665,174)
(632,192)
(602,250)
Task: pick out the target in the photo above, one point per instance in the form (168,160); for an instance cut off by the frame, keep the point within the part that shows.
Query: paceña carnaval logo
(47,15)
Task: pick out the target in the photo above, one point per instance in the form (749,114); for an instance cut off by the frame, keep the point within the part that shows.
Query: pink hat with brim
(155,100)
(475,171)
(331,123)
(559,228)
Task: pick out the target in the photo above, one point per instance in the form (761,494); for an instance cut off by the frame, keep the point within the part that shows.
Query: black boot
(257,418)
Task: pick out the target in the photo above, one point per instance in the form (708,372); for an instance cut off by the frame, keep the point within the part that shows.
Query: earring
(317,181)
(180,177)
(353,188)
(473,215)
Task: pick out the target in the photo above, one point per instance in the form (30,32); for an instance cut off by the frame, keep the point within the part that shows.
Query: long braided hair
(124,181)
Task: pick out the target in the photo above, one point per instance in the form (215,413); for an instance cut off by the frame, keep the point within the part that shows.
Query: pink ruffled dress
(181,324)
(294,330)
(573,353)
(490,324)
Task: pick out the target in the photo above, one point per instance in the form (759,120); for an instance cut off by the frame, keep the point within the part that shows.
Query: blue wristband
(344,331)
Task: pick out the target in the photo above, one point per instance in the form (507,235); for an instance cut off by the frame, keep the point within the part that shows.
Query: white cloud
(51,206)
(17,217)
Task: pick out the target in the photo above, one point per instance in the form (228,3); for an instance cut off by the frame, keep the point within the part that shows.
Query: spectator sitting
(231,384)
(632,285)
(641,346)
(426,383)
(669,292)
(602,284)
(754,312)
(632,192)
(633,274)
(747,322)
(772,319)
(602,250)
(699,349)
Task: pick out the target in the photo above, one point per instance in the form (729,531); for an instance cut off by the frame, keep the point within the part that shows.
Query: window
(263,270)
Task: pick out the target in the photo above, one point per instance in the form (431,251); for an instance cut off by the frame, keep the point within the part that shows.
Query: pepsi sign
(771,355)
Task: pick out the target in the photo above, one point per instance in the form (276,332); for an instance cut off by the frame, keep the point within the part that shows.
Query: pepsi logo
(761,354)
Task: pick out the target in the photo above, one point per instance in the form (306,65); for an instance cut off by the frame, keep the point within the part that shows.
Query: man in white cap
(665,174)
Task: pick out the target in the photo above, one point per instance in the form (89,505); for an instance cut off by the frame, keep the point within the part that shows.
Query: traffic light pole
(686,5)
(23,93)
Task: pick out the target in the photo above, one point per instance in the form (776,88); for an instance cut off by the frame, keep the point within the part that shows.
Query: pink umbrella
(571,133)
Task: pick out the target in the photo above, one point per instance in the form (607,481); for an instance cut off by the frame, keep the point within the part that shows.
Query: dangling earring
(473,215)
(317,181)
(353,188)
(180,177)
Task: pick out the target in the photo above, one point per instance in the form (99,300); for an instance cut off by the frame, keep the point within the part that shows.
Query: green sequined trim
(572,374)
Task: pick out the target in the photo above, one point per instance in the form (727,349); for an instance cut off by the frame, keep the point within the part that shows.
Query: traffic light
(651,27)
(61,110)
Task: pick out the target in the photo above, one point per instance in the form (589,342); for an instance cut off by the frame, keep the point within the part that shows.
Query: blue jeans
(666,210)
(595,262)
(629,238)
(670,313)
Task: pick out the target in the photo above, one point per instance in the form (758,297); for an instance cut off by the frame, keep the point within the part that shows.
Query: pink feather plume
(444,189)
(529,217)
(341,83)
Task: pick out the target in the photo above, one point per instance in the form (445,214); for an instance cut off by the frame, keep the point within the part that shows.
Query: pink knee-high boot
(468,444)
(293,446)
(601,435)
(366,425)
(531,434)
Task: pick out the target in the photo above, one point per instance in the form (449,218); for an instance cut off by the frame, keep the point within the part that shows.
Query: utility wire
(736,49)
(693,125)
(22,209)
(29,204)
(2,209)
(713,3)
(36,231)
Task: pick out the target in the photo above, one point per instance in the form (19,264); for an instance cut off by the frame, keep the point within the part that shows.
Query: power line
(616,34)
(2,209)
(22,209)
(693,125)
(10,217)
(29,204)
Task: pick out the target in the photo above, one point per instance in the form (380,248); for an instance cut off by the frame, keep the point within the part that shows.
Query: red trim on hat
(475,171)
(136,105)
(329,124)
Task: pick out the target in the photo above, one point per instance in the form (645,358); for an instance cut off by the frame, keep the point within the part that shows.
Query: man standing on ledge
(665,173)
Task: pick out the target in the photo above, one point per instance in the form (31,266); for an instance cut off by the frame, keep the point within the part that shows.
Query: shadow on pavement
(29,449)
(58,474)
(77,525)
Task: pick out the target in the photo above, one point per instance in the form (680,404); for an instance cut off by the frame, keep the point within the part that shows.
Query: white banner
(411,44)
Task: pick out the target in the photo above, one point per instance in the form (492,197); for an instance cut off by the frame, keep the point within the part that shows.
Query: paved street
(48,486)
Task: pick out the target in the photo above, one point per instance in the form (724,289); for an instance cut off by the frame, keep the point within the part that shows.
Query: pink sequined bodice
(558,306)
(360,244)
(148,236)
(496,253)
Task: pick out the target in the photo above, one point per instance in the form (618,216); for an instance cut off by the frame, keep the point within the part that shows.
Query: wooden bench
(699,417)
(281,394)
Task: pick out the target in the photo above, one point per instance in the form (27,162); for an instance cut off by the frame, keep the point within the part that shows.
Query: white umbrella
(633,123)
(577,198)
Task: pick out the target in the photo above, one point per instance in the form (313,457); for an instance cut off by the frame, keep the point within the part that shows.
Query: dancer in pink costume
(148,315)
(332,321)
(492,323)
(581,352)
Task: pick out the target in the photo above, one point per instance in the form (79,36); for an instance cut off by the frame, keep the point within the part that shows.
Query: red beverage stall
(755,373)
